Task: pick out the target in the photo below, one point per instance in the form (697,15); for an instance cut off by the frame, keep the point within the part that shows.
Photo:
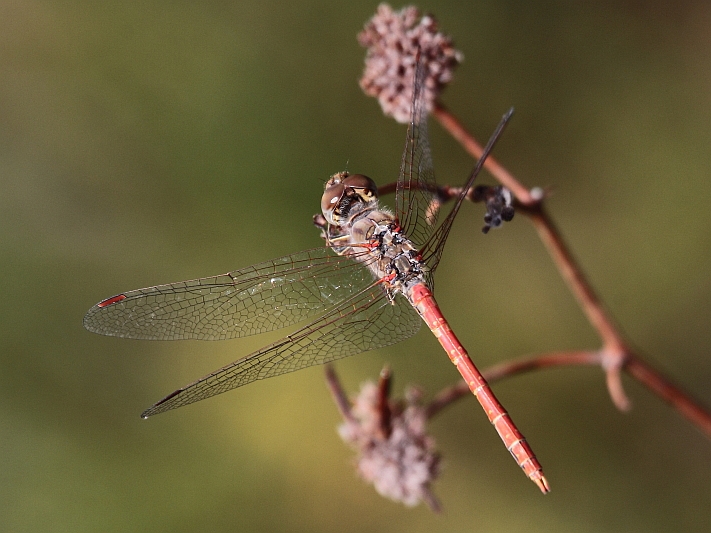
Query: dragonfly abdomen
(423,301)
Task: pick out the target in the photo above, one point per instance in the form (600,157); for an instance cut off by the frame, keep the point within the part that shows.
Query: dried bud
(401,464)
(393,39)
(499,205)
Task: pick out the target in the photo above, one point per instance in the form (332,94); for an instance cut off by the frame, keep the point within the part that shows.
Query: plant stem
(615,355)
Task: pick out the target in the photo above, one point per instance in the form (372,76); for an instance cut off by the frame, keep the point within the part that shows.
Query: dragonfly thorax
(375,239)
(358,227)
(395,256)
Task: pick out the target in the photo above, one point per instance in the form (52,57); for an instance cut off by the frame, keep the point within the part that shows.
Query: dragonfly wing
(416,183)
(366,321)
(259,298)
(432,249)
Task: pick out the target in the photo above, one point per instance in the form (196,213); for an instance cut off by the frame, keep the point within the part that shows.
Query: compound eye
(330,201)
(363,186)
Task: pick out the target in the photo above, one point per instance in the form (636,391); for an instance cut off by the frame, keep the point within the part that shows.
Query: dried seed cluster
(393,39)
(402,465)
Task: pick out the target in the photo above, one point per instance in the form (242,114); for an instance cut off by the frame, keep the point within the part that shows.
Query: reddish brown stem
(547,231)
(635,366)
(575,279)
(455,128)
(669,392)
(615,355)
(339,395)
(511,368)
(383,406)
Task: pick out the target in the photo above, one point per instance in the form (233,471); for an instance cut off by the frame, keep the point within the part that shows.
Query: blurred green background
(148,142)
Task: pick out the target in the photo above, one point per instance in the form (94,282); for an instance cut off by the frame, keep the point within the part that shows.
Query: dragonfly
(369,287)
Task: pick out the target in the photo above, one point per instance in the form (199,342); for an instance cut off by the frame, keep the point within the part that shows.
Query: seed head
(393,39)
(402,464)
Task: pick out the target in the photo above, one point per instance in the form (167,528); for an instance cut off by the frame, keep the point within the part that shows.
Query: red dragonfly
(370,286)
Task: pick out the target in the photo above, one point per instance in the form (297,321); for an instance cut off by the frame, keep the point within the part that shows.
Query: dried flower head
(401,463)
(499,205)
(393,39)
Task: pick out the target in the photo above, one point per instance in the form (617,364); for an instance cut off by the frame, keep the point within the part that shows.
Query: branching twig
(615,355)
(396,41)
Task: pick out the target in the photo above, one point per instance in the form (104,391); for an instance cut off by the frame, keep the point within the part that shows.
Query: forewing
(259,298)
(416,184)
(366,321)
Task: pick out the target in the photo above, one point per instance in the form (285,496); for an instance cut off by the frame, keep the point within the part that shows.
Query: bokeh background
(149,142)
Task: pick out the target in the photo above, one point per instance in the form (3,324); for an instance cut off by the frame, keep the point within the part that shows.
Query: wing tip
(156,407)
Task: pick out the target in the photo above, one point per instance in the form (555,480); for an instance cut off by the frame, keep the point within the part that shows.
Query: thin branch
(383,403)
(455,128)
(669,392)
(578,284)
(340,397)
(547,231)
(615,355)
(636,367)
(511,368)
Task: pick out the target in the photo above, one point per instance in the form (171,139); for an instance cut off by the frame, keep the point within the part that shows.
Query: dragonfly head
(347,195)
